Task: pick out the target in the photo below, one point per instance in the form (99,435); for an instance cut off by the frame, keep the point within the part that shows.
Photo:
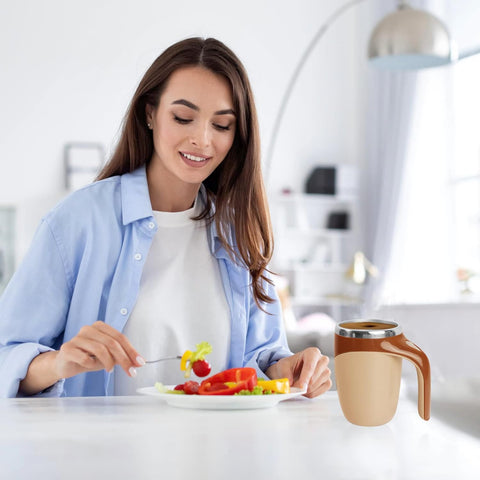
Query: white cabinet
(316,237)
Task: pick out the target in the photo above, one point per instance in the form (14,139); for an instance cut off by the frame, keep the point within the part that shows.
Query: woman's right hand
(96,347)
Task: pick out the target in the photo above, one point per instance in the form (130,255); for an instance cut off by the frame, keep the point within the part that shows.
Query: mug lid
(368,328)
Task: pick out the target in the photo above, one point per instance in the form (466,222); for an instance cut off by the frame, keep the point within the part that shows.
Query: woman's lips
(194,160)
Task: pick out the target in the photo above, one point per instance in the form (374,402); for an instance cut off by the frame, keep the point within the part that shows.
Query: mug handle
(400,346)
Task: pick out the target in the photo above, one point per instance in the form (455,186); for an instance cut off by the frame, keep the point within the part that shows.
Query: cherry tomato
(191,387)
(201,368)
(179,387)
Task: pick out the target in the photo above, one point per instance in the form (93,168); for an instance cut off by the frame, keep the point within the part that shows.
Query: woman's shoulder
(98,200)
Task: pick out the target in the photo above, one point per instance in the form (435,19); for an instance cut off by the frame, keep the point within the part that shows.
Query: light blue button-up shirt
(85,264)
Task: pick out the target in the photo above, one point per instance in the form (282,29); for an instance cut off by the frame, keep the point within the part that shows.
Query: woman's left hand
(307,370)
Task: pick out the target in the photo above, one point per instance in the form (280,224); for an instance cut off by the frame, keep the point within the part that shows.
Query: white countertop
(144,438)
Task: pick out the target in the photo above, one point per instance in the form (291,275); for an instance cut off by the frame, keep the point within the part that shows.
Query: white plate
(221,402)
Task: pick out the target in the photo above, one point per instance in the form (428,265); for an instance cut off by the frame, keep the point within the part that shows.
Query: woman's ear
(149,113)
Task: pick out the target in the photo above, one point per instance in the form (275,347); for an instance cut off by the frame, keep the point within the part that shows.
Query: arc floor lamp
(407,39)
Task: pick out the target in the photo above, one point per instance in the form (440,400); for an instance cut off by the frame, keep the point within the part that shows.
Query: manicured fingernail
(140,360)
(132,372)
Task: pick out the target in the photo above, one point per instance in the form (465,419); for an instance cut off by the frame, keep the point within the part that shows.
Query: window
(465,167)
(438,227)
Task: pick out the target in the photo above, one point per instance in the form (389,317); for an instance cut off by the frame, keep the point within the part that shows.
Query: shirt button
(123,311)
(151,225)
(138,256)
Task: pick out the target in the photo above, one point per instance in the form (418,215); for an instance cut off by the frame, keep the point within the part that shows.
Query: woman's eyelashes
(221,127)
(186,121)
(182,121)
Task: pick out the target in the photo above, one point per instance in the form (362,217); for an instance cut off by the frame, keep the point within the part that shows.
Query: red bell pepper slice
(229,382)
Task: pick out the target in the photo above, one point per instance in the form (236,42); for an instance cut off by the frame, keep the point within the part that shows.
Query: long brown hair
(236,185)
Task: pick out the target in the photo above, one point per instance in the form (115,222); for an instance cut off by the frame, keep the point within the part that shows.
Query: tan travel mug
(368,368)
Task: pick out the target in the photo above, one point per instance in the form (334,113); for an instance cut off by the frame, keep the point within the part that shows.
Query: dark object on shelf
(338,220)
(322,180)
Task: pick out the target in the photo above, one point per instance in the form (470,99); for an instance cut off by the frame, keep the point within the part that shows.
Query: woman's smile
(195,160)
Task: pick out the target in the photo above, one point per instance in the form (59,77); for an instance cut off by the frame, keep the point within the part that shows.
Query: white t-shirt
(181,303)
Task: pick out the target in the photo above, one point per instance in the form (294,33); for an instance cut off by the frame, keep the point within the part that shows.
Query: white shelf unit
(313,257)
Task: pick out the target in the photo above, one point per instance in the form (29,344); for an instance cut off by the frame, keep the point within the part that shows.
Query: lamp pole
(286,96)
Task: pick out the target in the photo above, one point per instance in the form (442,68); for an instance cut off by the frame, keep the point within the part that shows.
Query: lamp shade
(410,39)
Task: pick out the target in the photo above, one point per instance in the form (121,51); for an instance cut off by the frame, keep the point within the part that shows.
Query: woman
(168,248)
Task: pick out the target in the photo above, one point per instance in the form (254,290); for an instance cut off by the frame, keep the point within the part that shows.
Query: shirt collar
(135,197)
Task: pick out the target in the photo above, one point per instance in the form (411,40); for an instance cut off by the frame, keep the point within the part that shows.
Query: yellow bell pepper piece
(279,385)
(185,358)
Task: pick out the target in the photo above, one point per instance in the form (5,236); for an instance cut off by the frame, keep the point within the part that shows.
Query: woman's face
(193,126)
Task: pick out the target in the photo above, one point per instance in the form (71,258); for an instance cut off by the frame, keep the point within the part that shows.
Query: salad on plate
(234,381)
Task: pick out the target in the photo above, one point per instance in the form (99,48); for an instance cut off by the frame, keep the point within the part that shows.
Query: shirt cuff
(266,358)
(15,360)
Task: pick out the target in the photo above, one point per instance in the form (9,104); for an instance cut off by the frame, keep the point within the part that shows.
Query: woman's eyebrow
(191,105)
(188,104)
(228,111)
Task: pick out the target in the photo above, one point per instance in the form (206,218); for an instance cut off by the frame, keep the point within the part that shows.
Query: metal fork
(178,357)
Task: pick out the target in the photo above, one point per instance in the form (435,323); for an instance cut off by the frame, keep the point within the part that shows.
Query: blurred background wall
(69,69)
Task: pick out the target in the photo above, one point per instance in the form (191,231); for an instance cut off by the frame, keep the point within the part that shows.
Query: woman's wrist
(41,374)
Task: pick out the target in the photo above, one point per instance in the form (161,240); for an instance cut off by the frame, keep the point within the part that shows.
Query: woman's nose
(201,136)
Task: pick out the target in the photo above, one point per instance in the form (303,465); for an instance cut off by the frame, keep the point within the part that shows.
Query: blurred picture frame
(7,244)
